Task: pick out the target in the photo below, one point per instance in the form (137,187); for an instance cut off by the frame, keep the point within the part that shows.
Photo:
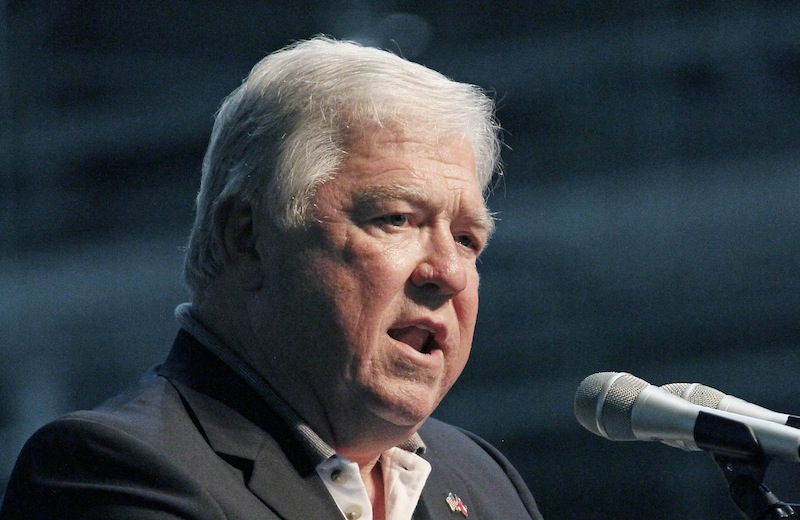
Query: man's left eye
(467,241)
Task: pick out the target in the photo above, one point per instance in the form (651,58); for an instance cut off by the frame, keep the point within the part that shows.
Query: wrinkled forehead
(450,146)
(390,163)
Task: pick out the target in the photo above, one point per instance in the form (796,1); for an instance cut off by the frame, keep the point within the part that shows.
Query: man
(332,266)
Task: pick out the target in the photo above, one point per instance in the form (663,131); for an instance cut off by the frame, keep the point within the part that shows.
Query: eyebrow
(370,196)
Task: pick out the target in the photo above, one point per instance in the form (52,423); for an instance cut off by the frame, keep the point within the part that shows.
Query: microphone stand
(743,464)
(751,496)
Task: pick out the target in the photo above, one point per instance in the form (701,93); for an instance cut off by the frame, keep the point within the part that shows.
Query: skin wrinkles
(369,202)
(389,257)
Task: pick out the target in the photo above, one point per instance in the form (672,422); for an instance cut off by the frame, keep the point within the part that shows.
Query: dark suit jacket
(193,441)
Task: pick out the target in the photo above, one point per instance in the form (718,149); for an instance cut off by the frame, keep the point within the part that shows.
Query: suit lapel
(289,493)
(247,434)
(433,504)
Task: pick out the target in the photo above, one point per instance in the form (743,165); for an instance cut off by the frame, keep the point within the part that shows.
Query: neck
(372,476)
(225,316)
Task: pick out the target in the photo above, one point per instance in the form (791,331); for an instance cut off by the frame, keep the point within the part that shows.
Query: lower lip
(434,359)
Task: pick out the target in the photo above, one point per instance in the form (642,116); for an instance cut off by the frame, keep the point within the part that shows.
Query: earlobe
(235,233)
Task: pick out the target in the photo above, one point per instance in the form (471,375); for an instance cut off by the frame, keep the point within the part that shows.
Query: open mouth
(419,339)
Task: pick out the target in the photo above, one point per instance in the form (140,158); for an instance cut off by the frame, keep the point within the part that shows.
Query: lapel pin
(456,505)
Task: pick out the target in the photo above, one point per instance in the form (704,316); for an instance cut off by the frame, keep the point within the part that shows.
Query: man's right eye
(393,219)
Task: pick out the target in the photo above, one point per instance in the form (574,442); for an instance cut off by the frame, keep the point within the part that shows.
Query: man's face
(386,277)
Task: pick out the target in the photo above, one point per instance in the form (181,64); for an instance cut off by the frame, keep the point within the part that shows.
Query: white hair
(284,131)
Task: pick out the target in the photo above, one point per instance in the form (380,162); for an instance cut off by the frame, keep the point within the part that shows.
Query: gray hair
(284,131)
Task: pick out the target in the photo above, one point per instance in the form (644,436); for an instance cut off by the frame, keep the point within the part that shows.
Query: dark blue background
(649,215)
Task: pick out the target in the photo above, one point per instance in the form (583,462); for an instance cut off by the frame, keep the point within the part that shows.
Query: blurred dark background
(649,213)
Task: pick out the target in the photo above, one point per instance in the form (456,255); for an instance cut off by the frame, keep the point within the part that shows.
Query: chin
(405,413)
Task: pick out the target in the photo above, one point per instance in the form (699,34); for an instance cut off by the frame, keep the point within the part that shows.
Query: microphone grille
(586,398)
(604,403)
(695,393)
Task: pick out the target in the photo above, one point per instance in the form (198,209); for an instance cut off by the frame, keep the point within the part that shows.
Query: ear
(235,233)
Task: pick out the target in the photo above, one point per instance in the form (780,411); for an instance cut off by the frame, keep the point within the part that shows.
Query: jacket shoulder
(116,461)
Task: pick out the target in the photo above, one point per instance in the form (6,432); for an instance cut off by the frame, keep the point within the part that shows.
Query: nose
(442,269)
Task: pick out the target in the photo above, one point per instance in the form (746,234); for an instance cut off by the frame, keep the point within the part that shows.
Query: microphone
(622,407)
(702,395)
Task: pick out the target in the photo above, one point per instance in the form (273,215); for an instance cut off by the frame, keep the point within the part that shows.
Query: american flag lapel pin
(456,505)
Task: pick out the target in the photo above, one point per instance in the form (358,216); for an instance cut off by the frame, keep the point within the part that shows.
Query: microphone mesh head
(586,400)
(700,395)
(618,407)
(676,388)
(615,392)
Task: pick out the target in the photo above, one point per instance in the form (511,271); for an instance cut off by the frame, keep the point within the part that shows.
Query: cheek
(383,272)
(458,362)
(399,258)
(466,304)
(362,285)
(466,308)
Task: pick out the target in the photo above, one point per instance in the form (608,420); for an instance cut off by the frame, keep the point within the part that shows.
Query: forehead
(378,155)
(384,164)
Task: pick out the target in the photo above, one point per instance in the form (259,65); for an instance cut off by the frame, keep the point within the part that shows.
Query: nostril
(429,286)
